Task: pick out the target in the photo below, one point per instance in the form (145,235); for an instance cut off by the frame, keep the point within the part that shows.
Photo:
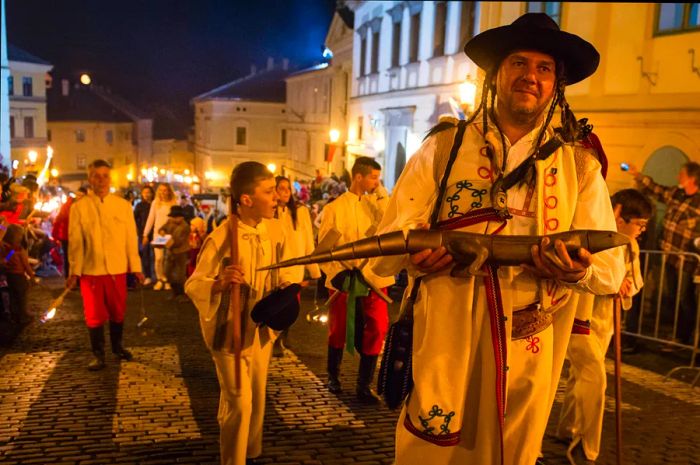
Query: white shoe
(158,286)
(147,282)
(167,286)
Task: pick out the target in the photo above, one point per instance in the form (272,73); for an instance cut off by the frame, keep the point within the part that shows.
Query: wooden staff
(234,308)
(617,327)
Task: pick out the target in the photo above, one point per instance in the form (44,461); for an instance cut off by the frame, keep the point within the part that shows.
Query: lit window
(677,17)
(79,135)
(553,9)
(27,86)
(81,161)
(109,137)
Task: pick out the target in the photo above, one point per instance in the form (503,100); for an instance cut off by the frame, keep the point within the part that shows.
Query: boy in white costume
(581,416)
(356,215)
(488,350)
(241,413)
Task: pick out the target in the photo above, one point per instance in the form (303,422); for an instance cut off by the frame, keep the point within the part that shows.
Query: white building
(408,64)
(317,106)
(241,121)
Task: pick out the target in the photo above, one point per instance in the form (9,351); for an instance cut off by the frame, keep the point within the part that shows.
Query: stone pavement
(161,408)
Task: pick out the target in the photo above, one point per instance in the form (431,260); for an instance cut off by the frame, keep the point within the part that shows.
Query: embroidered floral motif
(532,344)
(434,413)
(475,194)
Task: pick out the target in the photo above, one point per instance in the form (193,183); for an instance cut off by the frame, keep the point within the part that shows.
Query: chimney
(285,64)
(65,86)
(253,69)
(270,63)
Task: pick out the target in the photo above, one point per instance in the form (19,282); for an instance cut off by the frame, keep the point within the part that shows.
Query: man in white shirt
(358,316)
(103,248)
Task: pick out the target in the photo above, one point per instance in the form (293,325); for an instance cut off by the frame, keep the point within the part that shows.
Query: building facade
(241,121)
(85,123)
(317,107)
(644,99)
(26,86)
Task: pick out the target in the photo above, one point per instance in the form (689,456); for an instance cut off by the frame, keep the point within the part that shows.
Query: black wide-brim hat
(278,310)
(534,31)
(176,210)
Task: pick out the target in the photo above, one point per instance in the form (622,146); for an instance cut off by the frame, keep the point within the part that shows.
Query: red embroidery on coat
(532,344)
(485,173)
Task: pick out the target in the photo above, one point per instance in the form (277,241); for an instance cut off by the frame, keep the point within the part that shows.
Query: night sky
(158,54)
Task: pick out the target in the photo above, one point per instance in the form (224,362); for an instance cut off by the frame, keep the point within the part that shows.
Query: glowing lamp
(334,135)
(32,155)
(85,79)
(54,173)
(272,167)
(49,152)
(467,93)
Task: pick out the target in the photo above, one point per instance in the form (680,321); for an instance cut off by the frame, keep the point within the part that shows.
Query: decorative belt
(529,321)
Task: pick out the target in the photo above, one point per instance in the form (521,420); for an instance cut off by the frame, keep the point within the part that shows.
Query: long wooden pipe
(469,251)
(234,307)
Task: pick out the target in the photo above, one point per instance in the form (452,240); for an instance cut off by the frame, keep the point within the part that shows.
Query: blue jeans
(147,266)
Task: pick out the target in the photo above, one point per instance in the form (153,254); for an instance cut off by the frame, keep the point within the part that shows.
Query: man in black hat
(488,349)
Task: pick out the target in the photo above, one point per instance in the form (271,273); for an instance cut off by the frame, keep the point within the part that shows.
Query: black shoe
(124,354)
(97,342)
(366,395)
(255,461)
(333,386)
(116,331)
(97,362)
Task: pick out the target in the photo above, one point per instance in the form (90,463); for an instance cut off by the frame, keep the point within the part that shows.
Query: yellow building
(26,87)
(86,123)
(240,121)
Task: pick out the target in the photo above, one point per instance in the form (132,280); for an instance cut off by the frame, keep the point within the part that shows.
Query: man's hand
(140,277)
(626,288)
(229,275)
(71,281)
(144,241)
(431,261)
(556,263)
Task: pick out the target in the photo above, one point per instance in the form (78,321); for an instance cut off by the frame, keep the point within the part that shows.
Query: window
(439,29)
(48,135)
(10,85)
(374,59)
(553,9)
(283,138)
(109,136)
(241,135)
(12,127)
(363,55)
(79,135)
(415,34)
(81,161)
(677,17)
(467,22)
(28,127)
(27,86)
(359,127)
(396,44)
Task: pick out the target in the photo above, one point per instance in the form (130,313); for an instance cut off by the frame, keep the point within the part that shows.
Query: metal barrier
(656,293)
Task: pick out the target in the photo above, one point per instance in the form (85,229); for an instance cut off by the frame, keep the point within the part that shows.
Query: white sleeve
(594,211)
(199,286)
(410,205)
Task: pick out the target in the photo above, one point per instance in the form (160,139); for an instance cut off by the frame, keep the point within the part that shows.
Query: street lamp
(85,79)
(334,135)
(32,156)
(272,167)
(467,95)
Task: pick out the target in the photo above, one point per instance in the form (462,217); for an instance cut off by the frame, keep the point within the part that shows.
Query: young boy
(241,412)
(178,248)
(581,417)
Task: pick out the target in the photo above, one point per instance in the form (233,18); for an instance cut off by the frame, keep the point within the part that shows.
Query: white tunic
(299,241)
(454,369)
(102,237)
(354,218)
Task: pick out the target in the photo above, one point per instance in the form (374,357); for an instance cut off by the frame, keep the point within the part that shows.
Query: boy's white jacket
(256,246)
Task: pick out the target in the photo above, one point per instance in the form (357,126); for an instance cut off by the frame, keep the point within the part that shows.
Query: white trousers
(159,258)
(584,399)
(241,413)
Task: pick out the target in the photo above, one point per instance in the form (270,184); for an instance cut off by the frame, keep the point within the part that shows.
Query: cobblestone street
(161,407)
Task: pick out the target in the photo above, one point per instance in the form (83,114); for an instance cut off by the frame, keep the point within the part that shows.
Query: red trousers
(104,298)
(376,322)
